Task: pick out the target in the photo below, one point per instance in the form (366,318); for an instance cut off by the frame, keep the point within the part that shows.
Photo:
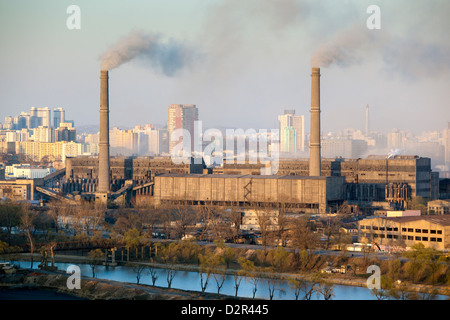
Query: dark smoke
(164,55)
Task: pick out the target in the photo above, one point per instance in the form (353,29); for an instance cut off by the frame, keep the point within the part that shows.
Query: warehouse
(300,193)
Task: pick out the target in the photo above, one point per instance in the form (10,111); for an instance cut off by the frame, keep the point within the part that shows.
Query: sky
(241,62)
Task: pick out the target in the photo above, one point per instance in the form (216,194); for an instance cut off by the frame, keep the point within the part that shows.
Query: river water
(190,280)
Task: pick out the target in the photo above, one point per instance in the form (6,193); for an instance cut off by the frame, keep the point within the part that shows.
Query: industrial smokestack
(103,159)
(314,143)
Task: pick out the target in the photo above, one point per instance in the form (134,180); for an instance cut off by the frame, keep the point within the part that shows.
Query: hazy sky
(248,61)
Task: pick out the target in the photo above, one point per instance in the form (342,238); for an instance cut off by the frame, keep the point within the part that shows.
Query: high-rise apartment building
(44,134)
(65,132)
(181,116)
(158,141)
(292,132)
(58,117)
(447,144)
(44,115)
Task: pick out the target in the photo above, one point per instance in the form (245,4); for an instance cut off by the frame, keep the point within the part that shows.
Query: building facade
(432,231)
(301,194)
(181,116)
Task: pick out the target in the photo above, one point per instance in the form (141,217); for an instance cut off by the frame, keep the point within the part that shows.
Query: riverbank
(336,279)
(27,284)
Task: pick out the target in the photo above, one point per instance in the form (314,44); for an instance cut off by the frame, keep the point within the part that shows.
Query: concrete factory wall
(413,170)
(127,168)
(308,194)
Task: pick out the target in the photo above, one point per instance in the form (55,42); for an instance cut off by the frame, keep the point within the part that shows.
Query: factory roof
(243,176)
(443,220)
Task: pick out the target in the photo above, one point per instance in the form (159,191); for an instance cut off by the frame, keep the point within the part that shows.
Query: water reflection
(189,280)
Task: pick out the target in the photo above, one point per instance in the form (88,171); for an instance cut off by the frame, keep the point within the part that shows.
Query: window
(433,239)
(375,228)
(439,239)
(403,229)
(389,229)
(410,238)
(424,230)
(363,227)
(433,231)
(439,232)
(395,229)
(403,237)
(410,230)
(381,228)
(368,227)
(417,238)
(382,236)
(424,238)
(389,236)
(418,230)
(395,236)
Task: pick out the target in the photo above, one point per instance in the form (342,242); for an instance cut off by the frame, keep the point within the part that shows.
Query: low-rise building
(26,171)
(432,231)
(252,220)
(20,189)
(439,207)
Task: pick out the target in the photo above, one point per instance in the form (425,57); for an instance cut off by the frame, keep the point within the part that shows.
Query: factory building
(299,193)
(432,231)
(128,168)
(373,179)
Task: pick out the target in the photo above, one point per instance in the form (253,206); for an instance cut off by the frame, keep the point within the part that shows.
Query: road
(356,254)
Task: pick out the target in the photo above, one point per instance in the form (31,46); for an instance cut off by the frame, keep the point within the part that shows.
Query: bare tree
(326,289)
(28,226)
(183,216)
(303,237)
(252,274)
(304,287)
(265,218)
(95,258)
(139,269)
(153,275)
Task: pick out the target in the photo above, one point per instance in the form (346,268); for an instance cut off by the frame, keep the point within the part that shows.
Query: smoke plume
(164,55)
(348,47)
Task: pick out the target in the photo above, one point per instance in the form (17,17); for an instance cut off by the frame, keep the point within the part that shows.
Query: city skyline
(250,66)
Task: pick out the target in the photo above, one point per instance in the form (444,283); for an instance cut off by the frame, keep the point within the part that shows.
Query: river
(190,280)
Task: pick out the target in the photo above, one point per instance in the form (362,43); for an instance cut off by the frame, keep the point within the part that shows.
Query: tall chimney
(314,143)
(103,159)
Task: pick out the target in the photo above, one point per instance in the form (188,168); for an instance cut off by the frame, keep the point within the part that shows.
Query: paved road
(357,254)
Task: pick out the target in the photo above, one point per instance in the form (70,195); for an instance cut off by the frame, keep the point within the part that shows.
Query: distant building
(20,189)
(252,220)
(44,134)
(24,171)
(65,132)
(180,116)
(292,132)
(44,116)
(59,116)
(439,207)
(345,148)
(123,142)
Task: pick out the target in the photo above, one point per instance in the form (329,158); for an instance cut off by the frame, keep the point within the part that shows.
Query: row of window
(404,237)
(403,229)
(379,228)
